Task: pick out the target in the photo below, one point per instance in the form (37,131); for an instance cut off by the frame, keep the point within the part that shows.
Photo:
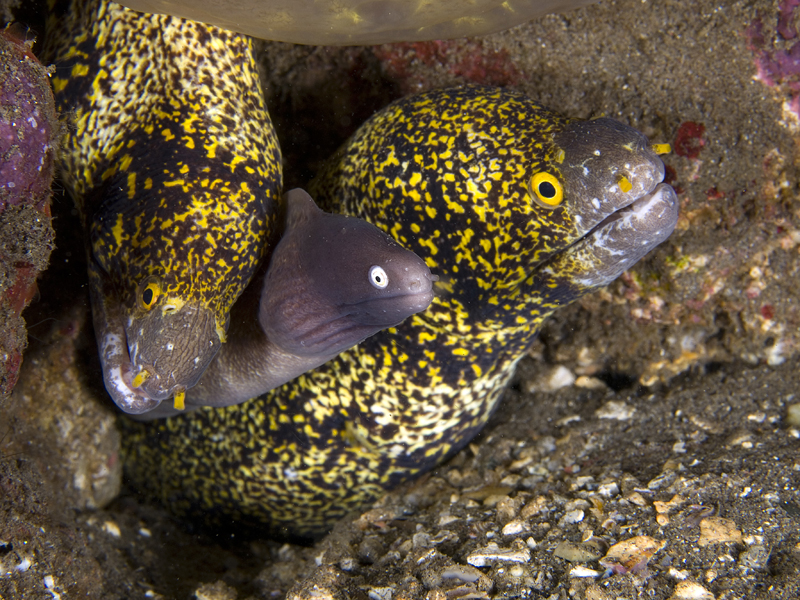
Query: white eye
(378,277)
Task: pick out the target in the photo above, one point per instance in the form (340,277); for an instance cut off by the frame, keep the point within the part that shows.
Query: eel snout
(623,238)
(606,166)
(149,359)
(171,348)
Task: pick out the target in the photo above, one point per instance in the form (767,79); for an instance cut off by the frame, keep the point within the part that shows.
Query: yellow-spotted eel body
(519,211)
(176,170)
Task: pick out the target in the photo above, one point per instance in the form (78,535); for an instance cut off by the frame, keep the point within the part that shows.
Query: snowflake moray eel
(178,191)
(176,170)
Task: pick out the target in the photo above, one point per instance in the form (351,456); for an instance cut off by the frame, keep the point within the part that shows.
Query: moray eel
(176,171)
(359,22)
(332,281)
(519,211)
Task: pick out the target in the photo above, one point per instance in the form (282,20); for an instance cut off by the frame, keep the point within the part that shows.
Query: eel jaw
(108,319)
(624,237)
(118,377)
(354,325)
(113,329)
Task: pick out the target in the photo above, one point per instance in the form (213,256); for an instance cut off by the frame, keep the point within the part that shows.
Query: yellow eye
(546,190)
(149,292)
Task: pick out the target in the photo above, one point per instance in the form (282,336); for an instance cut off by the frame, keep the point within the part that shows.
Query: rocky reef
(648,446)
(28,137)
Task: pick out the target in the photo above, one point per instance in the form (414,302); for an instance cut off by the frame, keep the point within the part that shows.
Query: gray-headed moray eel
(175,168)
(332,281)
(518,210)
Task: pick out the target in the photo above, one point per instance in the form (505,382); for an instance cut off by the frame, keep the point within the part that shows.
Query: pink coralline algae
(472,60)
(689,139)
(767,311)
(777,51)
(28,128)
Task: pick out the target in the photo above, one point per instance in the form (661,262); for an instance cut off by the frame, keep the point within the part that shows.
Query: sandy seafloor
(680,434)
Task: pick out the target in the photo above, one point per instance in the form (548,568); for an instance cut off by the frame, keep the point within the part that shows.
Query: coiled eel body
(519,211)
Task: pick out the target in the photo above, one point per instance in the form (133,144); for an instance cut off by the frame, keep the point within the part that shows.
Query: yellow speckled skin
(175,168)
(445,173)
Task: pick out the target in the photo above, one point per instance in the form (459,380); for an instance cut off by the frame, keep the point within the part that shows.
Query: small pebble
(793,415)
(514,527)
(616,410)
(662,481)
(689,590)
(23,565)
(461,572)
(50,584)
(755,557)
(717,530)
(557,378)
(492,553)
(218,590)
(631,555)
(608,490)
(590,383)
(112,528)
(580,571)
(572,517)
(577,553)
(445,519)
(380,593)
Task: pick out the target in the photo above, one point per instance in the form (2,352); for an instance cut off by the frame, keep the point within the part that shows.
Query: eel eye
(546,190)
(378,277)
(149,292)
